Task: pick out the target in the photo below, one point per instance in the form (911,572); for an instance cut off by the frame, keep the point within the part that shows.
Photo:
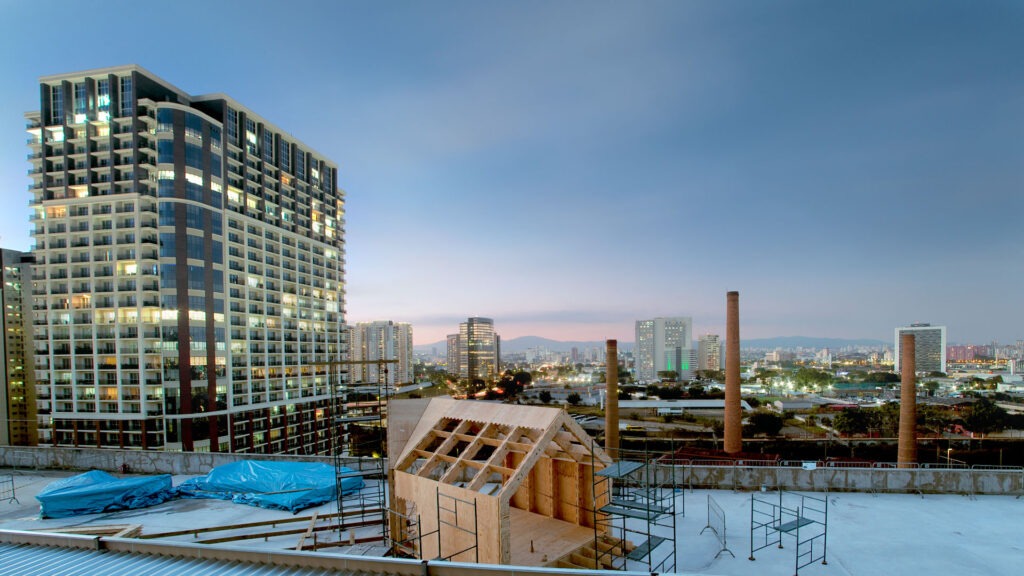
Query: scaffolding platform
(621,469)
(638,511)
(645,548)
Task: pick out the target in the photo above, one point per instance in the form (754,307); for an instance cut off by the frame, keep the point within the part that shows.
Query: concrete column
(733,414)
(906,452)
(611,402)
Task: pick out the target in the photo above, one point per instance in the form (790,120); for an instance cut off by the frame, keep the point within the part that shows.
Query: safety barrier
(7,488)
(873,477)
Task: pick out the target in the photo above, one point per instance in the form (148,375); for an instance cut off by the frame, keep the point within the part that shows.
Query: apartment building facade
(189,289)
(382,340)
(664,345)
(17,390)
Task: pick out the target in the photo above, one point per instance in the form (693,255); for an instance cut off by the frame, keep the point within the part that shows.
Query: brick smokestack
(906,453)
(733,415)
(611,401)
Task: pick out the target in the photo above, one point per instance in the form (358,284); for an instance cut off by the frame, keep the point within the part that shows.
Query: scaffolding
(635,514)
(366,507)
(799,516)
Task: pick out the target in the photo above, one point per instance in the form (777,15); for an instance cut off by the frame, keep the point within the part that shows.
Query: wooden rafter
(443,449)
(492,465)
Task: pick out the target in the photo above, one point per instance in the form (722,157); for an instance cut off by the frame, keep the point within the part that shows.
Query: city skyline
(847,168)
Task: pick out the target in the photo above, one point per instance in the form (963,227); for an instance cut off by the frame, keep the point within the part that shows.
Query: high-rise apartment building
(929,347)
(17,392)
(382,340)
(709,352)
(477,350)
(189,278)
(664,345)
(452,354)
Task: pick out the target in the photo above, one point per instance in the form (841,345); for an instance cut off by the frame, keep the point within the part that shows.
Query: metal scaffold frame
(800,516)
(635,514)
(368,506)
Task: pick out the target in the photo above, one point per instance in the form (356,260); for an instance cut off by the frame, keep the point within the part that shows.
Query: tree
(882,377)
(931,386)
(545,396)
(985,416)
(573,399)
(763,422)
(811,378)
(852,421)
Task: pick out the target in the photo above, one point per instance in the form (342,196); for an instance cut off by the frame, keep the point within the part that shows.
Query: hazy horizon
(568,169)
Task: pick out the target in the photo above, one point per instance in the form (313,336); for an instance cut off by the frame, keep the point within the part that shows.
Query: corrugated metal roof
(29,560)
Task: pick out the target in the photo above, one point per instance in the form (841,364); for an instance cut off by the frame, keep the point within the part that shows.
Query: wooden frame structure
(529,472)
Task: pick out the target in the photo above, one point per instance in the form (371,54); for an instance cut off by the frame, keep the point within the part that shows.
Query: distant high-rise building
(382,340)
(709,352)
(452,355)
(189,270)
(477,350)
(17,392)
(929,347)
(664,345)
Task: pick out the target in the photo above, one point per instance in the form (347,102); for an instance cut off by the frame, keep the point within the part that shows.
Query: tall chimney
(611,402)
(733,415)
(906,452)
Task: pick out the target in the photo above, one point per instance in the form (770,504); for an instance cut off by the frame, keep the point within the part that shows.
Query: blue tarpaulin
(291,486)
(96,491)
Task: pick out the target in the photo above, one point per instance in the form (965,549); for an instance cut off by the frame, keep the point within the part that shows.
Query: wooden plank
(534,536)
(531,459)
(289,532)
(308,533)
(284,520)
(567,492)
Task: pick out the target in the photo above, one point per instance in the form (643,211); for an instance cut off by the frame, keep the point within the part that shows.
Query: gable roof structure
(512,462)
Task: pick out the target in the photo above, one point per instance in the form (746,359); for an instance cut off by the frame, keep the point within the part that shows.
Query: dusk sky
(567,168)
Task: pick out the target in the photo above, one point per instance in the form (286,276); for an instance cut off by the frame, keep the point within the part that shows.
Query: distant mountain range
(524,343)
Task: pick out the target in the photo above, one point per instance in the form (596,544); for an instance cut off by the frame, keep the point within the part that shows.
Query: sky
(568,168)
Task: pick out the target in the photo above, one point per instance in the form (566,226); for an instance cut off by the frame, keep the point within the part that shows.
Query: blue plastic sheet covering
(95,491)
(291,486)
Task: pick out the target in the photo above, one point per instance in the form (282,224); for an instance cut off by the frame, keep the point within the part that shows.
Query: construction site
(470,486)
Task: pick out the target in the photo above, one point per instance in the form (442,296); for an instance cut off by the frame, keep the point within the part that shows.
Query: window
(127,97)
(195,247)
(56,105)
(167,272)
(166,214)
(193,126)
(194,217)
(232,126)
(268,145)
(193,155)
(300,164)
(81,103)
(103,100)
(215,165)
(165,151)
(167,245)
(284,157)
(215,137)
(250,136)
(165,189)
(165,120)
